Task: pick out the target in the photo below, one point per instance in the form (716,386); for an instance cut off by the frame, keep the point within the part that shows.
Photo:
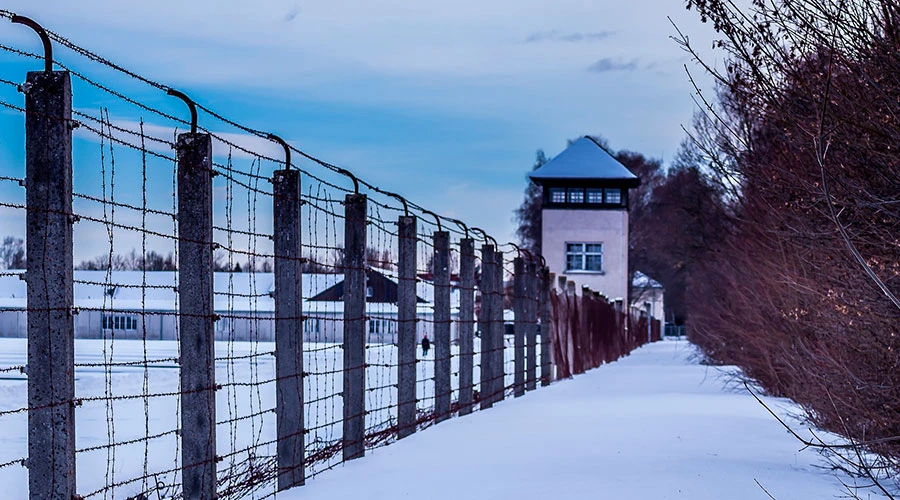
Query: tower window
(613,196)
(584,257)
(576,195)
(557,195)
(585,196)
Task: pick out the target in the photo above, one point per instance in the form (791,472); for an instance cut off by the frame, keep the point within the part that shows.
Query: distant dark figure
(426,344)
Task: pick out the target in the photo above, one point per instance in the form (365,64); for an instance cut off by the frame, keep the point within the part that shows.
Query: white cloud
(159,139)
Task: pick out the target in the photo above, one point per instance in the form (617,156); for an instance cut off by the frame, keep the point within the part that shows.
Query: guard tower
(585,217)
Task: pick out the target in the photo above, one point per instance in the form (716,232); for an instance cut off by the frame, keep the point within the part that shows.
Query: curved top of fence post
(352,177)
(287,149)
(528,254)
(400,198)
(462,225)
(518,250)
(48,47)
(485,236)
(437,218)
(187,100)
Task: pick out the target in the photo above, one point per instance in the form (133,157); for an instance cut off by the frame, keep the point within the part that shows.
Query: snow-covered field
(654,425)
(126,403)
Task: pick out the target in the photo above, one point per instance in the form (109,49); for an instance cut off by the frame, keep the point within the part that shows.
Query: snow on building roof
(157,291)
(584,159)
(641,280)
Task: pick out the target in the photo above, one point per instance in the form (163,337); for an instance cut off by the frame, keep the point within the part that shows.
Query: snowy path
(651,426)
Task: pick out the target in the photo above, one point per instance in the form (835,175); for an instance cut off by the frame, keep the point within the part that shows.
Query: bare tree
(12,253)
(528,215)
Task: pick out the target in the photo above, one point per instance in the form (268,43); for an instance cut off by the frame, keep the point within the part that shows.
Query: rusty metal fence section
(586,330)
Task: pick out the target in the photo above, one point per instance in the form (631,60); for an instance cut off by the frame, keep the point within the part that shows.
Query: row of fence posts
(49,276)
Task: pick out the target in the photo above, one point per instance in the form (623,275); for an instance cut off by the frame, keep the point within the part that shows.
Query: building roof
(157,290)
(584,160)
(238,292)
(384,289)
(641,280)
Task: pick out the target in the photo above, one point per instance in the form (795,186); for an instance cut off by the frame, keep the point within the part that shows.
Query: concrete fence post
(51,327)
(354,388)
(546,282)
(499,329)
(466,323)
(288,328)
(485,320)
(406,318)
(531,310)
(197,317)
(519,305)
(441,269)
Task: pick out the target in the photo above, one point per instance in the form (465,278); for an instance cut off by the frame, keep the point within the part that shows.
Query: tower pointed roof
(585,160)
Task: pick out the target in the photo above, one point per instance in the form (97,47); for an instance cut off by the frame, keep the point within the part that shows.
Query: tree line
(12,256)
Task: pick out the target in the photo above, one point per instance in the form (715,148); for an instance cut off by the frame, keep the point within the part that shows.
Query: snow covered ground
(125,404)
(654,425)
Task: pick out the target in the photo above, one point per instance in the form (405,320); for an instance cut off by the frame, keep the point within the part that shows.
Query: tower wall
(609,227)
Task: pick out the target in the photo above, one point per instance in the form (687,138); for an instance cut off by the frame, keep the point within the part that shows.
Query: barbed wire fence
(270,327)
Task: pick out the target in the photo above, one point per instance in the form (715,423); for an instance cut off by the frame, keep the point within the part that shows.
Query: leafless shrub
(801,291)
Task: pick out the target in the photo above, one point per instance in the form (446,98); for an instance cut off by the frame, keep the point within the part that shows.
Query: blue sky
(443,102)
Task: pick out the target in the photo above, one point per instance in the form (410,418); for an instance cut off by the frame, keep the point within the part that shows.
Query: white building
(144,305)
(585,217)
(647,294)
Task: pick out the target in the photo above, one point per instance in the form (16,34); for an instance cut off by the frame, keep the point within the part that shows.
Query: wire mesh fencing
(251,315)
